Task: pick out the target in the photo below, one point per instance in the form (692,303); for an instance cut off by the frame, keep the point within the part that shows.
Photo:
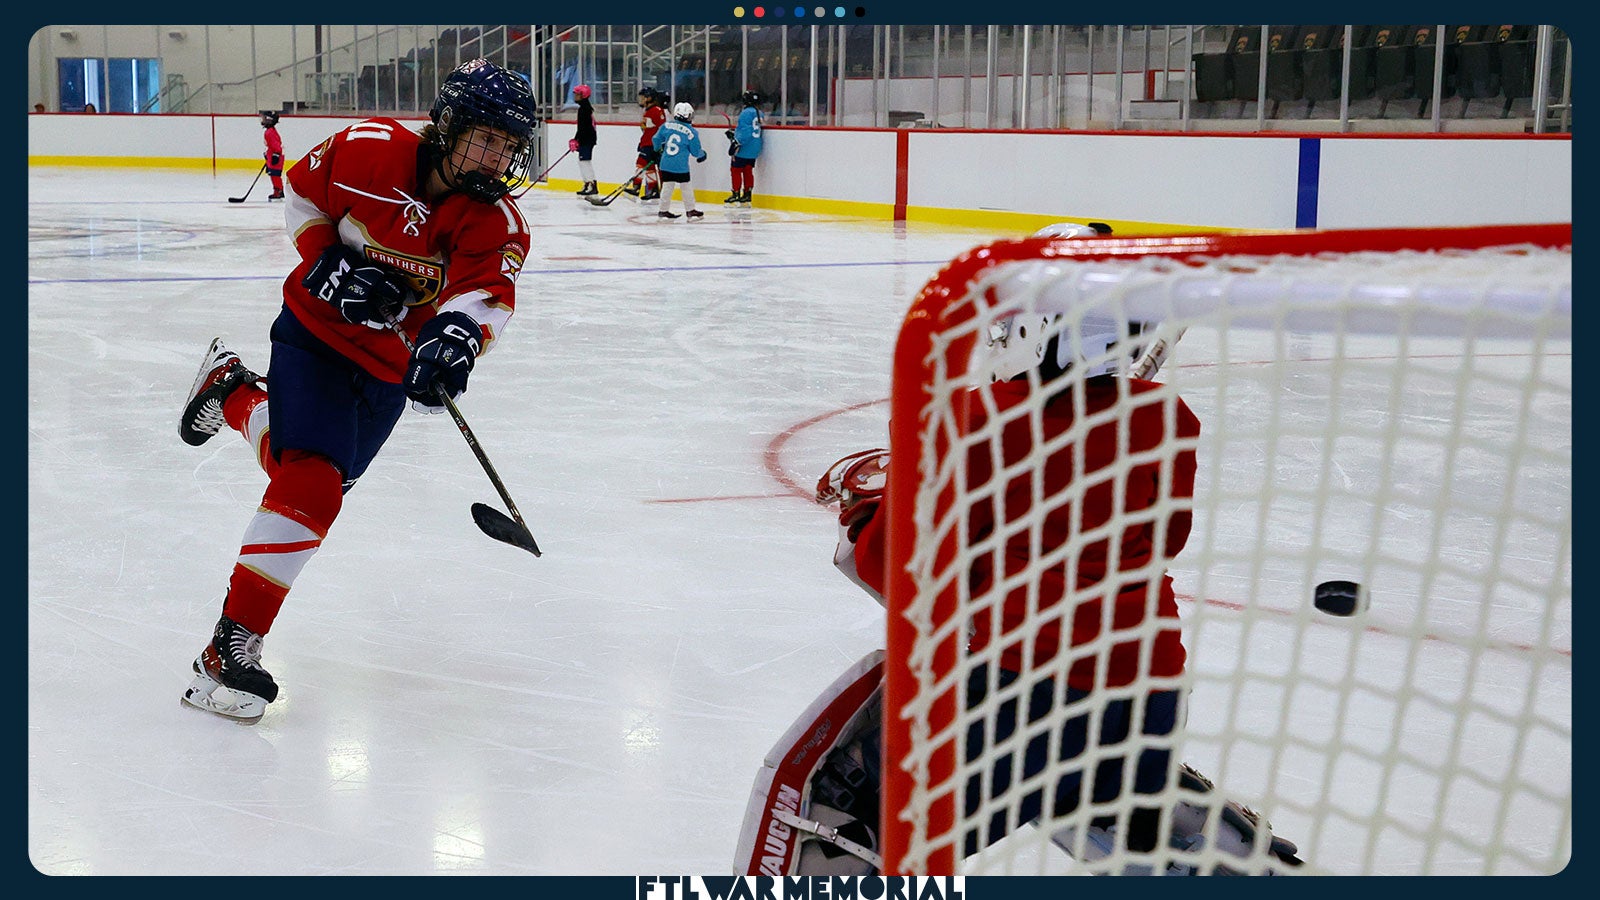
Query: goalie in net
(1105,634)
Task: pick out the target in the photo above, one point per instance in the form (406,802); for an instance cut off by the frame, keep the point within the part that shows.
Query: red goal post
(922,747)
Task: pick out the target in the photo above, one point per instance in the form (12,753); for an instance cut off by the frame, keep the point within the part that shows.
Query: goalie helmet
(683,112)
(1073,230)
(1023,342)
(481,94)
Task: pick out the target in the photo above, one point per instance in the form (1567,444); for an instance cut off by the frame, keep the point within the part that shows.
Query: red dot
(760,11)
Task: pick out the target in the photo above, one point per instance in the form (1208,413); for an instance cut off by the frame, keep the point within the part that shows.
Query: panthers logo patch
(315,157)
(511,262)
(424,276)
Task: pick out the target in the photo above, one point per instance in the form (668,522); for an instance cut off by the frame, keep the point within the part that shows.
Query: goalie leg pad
(814,807)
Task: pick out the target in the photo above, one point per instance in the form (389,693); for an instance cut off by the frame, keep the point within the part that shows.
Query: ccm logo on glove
(363,293)
(447,346)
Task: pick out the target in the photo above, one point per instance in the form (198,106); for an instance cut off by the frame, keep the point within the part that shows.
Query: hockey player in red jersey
(394,229)
(273,153)
(654,104)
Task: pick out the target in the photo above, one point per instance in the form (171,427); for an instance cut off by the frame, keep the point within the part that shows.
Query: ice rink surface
(660,408)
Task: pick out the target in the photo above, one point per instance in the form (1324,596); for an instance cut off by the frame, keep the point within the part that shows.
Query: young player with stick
(676,143)
(648,179)
(395,230)
(584,139)
(744,146)
(274,152)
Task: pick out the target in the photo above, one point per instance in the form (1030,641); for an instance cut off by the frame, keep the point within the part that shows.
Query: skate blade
(235,706)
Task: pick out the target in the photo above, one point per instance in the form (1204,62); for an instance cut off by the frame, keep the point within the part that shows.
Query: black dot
(861,12)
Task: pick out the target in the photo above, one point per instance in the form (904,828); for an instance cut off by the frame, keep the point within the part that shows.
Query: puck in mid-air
(1340,598)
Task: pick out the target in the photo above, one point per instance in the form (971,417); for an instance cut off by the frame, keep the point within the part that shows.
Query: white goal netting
(1390,408)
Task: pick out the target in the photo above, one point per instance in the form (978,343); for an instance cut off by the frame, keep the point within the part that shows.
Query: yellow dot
(738,12)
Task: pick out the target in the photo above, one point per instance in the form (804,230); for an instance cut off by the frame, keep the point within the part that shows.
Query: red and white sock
(303,497)
(299,506)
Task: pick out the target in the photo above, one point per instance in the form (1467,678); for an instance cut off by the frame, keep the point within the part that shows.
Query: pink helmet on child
(581,92)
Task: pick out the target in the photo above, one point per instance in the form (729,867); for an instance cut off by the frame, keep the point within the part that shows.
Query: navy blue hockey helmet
(479,92)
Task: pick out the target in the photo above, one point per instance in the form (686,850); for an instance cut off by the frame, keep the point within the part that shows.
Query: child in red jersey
(654,104)
(274,152)
(395,230)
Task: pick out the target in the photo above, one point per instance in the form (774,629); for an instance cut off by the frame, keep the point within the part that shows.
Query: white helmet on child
(683,112)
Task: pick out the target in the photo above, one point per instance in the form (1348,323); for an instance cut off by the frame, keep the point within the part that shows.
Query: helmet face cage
(479,94)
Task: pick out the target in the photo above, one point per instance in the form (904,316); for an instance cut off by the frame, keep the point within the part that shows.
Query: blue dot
(838,11)
(778,11)
(799,12)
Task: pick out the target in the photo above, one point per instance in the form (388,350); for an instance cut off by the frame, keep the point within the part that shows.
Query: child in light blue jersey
(675,143)
(744,145)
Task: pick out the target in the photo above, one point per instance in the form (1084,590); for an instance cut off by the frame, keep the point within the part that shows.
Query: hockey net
(1385,407)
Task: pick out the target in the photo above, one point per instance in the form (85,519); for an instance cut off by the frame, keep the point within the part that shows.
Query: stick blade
(598,201)
(503,528)
(235,199)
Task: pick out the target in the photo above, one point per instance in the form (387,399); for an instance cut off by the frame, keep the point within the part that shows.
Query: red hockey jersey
(652,119)
(274,151)
(1119,574)
(362,186)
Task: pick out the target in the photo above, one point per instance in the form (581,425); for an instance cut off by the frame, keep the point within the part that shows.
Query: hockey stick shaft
(251,187)
(540,177)
(1154,355)
(483,460)
(617,191)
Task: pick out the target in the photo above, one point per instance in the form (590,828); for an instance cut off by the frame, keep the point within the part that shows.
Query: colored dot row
(778,12)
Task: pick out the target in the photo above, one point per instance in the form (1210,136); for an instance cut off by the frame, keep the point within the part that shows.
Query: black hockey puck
(1340,598)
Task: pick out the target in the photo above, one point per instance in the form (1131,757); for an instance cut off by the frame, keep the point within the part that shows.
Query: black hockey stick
(606,200)
(251,187)
(540,177)
(509,530)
